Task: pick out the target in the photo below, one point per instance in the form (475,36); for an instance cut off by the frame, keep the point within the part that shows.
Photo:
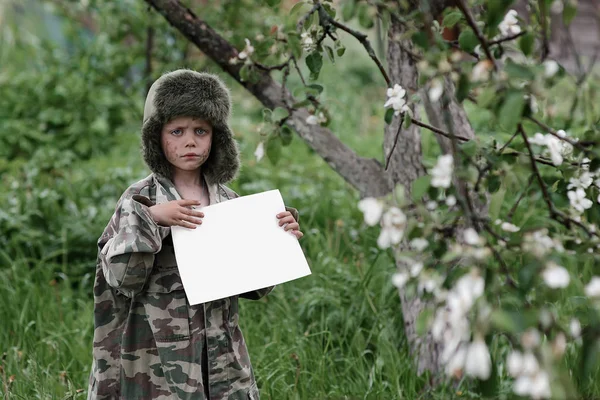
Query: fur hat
(191,94)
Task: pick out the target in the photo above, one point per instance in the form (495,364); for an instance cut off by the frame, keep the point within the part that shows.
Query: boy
(149,342)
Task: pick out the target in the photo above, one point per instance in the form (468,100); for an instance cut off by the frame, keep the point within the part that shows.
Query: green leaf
(315,88)
(339,48)
(366,18)
(469,148)
(526,43)
(348,9)
(280,113)
(298,8)
(512,110)
(464,86)
(420,39)
(423,321)
(507,321)
(245,73)
(468,40)
(314,62)
(420,186)
(389,116)
(273,3)
(452,19)
(497,199)
(569,11)
(407,121)
(493,183)
(519,71)
(496,10)
(286,135)
(329,52)
(267,115)
(274,146)
(295,45)
(487,97)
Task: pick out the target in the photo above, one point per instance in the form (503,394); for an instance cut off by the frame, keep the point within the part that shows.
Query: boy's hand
(286,218)
(177,213)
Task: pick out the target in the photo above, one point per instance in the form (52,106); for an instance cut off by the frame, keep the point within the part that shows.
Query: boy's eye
(176,132)
(201,131)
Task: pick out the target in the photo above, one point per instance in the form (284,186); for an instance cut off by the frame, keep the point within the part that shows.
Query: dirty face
(186,143)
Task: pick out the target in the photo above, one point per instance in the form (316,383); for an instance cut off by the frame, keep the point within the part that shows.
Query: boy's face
(186,142)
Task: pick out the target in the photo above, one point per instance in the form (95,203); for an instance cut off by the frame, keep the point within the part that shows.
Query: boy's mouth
(191,155)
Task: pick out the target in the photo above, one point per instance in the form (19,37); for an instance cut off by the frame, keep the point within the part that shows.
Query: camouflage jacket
(149,342)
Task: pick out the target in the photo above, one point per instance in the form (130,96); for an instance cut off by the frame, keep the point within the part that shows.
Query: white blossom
(559,345)
(557,7)
(508,227)
(472,237)
(575,328)
(539,243)
(259,153)
(306,41)
(582,182)
(550,68)
(393,225)
(312,120)
(592,289)
(416,269)
(456,364)
(510,24)
(540,386)
(450,201)
(556,276)
(436,89)
(431,205)
(419,244)
(478,361)
(555,147)
(538,139)
(316,119)
(396,99)
(247,52)
(514,363)
(481,71)
(530,364)
(399,279)
(578,200)
(372,209)
(531,339)
(442,171)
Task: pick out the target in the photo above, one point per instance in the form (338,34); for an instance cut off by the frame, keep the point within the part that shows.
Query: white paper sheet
(238,248)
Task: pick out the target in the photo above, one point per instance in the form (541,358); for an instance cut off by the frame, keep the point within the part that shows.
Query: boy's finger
(283,214)
(298,234)
(188,202)
(186,224)
(286,220)
(293,226)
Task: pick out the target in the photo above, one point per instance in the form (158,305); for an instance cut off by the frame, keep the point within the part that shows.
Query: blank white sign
(239,247)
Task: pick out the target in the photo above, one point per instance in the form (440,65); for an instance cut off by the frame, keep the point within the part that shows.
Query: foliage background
(72,85)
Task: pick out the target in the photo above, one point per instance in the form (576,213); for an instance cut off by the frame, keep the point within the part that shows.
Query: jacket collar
(166,191)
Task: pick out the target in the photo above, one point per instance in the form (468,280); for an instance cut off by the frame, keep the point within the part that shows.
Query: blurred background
(73,78)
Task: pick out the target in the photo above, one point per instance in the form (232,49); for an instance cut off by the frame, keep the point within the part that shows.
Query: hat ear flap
(223,162)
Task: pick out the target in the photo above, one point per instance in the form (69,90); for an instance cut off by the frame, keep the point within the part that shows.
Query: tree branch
(363,39)
(471,21)
(364,174)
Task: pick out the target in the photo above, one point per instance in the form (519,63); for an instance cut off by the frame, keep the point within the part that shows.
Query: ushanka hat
(187,93)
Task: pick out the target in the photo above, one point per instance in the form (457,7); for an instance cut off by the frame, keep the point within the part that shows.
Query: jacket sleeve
(129,244)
